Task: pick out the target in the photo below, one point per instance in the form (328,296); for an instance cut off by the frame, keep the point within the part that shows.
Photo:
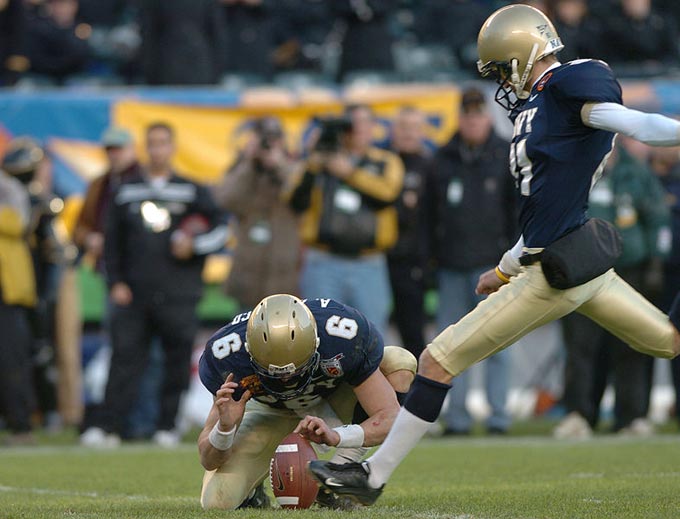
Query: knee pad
(396,358)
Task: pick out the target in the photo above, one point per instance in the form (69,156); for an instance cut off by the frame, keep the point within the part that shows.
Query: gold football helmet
(282,340)
(511,40)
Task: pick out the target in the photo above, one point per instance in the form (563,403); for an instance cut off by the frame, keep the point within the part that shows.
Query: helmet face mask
(282,341)
(510,42)
(501,72)
(286,386)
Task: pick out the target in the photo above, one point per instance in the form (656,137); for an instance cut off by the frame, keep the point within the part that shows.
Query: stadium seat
(361,78)
(240,81)
(431,63)
(35,82)
(297,80)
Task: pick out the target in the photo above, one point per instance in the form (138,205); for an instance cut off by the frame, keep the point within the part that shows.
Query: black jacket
(473,204)
(53,50)
(138,232)
(182,41)
(250,33)
(12,39)
(367,41)
(413,243)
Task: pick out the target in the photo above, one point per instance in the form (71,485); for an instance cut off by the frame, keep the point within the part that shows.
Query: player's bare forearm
(375,428)
(378,399)
(378,425)
(224,417)
(211,458)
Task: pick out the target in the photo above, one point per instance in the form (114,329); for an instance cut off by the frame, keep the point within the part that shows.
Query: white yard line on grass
(78,449)
(629,475)
(543,441)
(94,495)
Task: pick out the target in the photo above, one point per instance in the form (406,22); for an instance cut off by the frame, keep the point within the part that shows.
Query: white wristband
(350,435)
(509,265)
(221,440)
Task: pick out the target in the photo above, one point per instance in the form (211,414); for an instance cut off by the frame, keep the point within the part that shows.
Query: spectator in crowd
(669,7)
(182,41)
(89,238)
(633,199)
(367,39)
(302,33)
(55,48)
(159,228)
(636,34)
(266,258)
(578,30)
(455,24)
(471,190)
(107,13)
(339,377)
(541,5)
(13,60)
(115,38)
(249,36)
(17,293)
(665,163)
(122,162)
(407,260)
(347,193)
(26,160)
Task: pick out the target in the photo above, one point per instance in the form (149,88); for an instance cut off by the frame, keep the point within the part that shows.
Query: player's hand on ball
(316,430)
(230,410)
(488,283)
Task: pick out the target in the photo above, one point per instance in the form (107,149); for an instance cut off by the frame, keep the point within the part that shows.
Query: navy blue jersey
(554,157)
(351,349)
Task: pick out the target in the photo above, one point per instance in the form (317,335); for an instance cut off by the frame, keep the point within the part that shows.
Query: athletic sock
(421,409)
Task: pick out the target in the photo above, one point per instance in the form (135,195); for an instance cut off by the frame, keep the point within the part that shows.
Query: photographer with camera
(17,297)
(266,258)
(347,194)
(26,160)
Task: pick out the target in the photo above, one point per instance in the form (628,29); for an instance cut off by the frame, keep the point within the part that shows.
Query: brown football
(292,485)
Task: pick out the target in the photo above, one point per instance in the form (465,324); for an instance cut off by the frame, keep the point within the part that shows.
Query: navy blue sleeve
(224,353)
(368,359)
(350,344)
(585,81)
(208,372)
(368,350)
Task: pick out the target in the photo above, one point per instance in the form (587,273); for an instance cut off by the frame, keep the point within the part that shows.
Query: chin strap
(518,82)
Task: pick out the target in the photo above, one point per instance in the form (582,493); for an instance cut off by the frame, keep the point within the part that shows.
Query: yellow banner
(208,138)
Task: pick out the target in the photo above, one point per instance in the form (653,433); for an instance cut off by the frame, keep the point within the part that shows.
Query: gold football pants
(527,302)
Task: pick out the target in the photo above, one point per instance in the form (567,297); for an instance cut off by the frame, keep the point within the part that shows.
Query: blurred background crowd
(367,208)
(302,42)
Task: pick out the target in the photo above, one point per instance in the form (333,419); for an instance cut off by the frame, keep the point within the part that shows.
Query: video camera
(332,131)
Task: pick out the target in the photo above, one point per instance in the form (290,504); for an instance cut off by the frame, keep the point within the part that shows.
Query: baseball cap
(473,100)
(115,137)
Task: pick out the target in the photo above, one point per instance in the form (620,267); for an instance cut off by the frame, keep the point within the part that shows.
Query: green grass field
(471,478)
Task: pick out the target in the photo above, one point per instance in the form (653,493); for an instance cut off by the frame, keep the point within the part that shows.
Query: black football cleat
(258,498)
(327,499)
(348,479)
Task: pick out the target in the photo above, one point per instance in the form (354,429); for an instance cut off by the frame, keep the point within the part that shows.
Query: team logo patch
(332,367)
(543,81)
